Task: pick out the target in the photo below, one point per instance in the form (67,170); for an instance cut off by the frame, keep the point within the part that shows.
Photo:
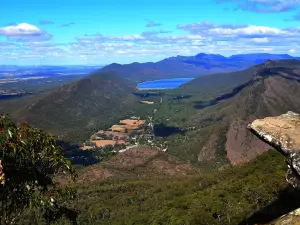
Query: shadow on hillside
(288,200)
(291,78)
(265,73)
(6,97)
(143,95)
(76,155)
(204,104)
(162,130)
(179,97)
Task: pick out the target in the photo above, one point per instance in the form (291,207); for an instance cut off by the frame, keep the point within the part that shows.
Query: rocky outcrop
(292,218)
(282,133)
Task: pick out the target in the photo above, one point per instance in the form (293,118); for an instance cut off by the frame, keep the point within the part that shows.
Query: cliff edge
(283,133)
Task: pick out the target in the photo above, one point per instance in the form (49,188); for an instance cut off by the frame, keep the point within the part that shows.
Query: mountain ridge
(190,66)
(77,109)
(96,102)
(269,89)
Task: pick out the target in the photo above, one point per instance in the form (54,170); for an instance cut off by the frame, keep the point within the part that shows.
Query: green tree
(29,162)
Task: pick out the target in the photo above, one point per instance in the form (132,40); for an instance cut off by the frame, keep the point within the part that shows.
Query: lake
(163,84)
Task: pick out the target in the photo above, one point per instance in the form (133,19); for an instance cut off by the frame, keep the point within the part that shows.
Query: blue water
(164,83)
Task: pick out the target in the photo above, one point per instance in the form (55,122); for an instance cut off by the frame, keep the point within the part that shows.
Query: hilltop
(74,111)
(137,160)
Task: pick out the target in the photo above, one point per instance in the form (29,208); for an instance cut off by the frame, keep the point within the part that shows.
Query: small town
(120,136)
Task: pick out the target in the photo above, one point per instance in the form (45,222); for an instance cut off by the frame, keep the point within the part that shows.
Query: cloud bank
(264,6)
(25,41)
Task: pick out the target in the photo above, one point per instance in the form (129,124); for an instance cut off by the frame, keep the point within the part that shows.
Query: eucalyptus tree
(30,162)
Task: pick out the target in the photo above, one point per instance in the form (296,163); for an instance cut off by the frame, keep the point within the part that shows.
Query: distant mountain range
(190,66)
(220,105)
(42,68)
(173,67)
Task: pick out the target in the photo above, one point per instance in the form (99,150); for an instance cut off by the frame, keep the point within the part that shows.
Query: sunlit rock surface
(292,218)
(282,133)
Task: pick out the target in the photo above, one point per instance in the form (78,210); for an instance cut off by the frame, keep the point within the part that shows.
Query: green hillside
(202,122)
(74,111)
(145,197)
(215,121)
(204,130)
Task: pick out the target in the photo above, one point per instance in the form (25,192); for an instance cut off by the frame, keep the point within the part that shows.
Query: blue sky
(34,32)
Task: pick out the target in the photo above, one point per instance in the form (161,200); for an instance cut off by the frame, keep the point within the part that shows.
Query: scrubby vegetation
(225,197)
(29,161)
(213,196)
(229,196)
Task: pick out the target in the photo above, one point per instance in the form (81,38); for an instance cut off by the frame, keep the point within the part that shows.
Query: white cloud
(265,6)
(200,37)
(251,31)
(260,40)
(130,37)
(20,29)
(248,31)
(268,49)
(24,32)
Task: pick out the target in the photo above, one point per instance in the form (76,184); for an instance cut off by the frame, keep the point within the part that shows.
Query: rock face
(282,133)
(292,218)
(241,146)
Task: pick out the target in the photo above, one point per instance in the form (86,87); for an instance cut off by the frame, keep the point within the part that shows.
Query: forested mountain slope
(220,123)
(77,109)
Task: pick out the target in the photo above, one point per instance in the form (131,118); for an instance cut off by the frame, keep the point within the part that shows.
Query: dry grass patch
(133,122)
(102,143)
(116,134)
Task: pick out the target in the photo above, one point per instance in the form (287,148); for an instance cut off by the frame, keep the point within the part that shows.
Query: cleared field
(132,122)
(121,142)
(123,128)
(127,124)
(119,128)
(102,143)
(116,134)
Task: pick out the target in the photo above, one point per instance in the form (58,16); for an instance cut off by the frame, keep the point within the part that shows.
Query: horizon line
(106,64)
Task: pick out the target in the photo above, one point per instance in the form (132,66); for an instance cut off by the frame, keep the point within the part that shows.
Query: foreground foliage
(29,158)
